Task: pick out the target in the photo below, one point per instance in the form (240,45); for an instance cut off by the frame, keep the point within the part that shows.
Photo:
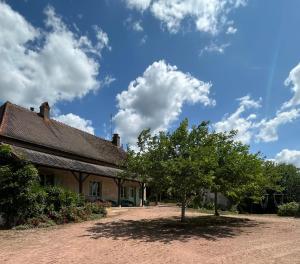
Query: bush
(41,221)
(25,204)
(97,208)
(64,206)
(18,188)
(289,209)
(77,214)
(58,198)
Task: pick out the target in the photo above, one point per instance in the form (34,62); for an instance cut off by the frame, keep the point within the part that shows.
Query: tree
(235,170)
(145,162)
(19,187)
(173,162)
(290,181)
(186,161)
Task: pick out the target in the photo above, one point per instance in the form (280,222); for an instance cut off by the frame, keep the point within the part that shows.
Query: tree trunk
(183,207)
(156,199)
(183,211)
(216,204)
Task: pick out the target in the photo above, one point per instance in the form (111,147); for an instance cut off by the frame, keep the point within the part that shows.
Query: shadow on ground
(167,230)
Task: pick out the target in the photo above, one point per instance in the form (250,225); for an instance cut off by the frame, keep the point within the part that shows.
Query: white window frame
(95,193)
(123,192)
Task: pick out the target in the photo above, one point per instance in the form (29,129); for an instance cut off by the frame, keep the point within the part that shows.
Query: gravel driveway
(153,235)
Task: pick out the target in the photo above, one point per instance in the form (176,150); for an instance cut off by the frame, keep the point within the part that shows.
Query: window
(140,193)
(132,192)
(95,189)
(47,180)
(123,192)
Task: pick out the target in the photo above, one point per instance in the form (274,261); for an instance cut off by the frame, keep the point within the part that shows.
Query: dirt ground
(153,235)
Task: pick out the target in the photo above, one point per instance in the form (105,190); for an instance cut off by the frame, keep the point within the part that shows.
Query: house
(68,157)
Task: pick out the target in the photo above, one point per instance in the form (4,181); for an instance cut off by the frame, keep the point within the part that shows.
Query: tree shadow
(166,230)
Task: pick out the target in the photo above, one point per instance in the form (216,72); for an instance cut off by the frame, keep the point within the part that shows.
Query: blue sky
(83,56)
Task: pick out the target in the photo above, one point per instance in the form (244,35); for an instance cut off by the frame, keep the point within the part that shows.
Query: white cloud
(155,99)
(214,48)
(103,40)
(294,81)
(77,122)
(138,4)
(209,16)
(265,130)
(268,129)
(289,157)
(107,81)
(236,121)
(143,40)
(231,30)
(135,25)
(50,65)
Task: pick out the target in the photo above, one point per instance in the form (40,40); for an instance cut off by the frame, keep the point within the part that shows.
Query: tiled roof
(19,123)
(50,160)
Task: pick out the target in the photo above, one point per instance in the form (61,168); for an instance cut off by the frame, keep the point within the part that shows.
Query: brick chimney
(116,140)
(45,111)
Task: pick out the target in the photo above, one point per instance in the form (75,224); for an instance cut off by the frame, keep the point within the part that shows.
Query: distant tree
(19,187)
(289,181)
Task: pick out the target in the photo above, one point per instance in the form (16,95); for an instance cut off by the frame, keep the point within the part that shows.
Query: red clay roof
(19,123)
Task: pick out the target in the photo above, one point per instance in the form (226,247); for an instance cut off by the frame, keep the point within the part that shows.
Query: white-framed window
(123,192)
(95,189)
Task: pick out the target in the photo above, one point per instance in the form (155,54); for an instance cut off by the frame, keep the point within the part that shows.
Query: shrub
(77,214)
(97,208)
(289,209)
(36,202)
(58,198)
(18,193)
(23,202)
(41,221)
(73,199)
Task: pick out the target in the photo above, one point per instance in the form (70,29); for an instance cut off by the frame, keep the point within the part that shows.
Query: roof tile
(22,124)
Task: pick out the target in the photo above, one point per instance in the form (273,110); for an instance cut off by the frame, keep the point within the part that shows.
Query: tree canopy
(188,160)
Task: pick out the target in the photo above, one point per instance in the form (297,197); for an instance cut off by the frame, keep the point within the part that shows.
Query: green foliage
(5,151)
(96,208)
(235,171)
(64,206)
(23,202)
(59,197)
(18,188)
(278,179)
(188,160)
(290,181)
(289,209)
